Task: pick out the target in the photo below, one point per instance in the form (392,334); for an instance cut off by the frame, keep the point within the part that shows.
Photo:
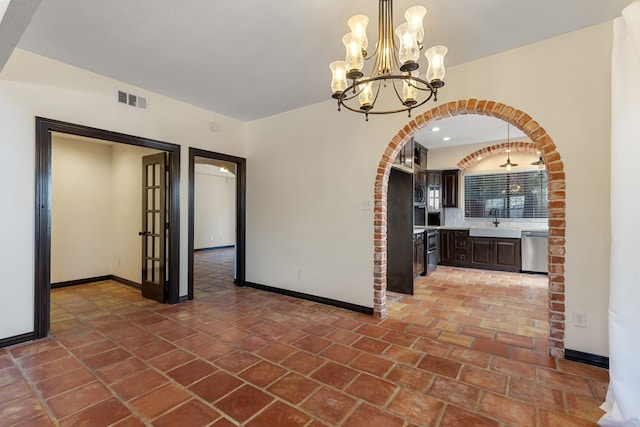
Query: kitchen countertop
(523,229)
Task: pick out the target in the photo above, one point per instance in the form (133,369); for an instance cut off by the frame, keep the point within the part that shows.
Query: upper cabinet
(420,173)
(450,188)
(434,191)
(405,157)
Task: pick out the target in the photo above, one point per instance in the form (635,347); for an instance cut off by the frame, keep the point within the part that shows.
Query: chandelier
(395,65)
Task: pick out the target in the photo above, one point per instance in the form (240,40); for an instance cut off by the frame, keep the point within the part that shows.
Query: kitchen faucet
(495,212)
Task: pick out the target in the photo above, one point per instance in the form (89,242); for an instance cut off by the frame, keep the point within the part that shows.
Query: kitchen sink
(506,232)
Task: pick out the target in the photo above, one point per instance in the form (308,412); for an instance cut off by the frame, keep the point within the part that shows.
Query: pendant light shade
(539,163)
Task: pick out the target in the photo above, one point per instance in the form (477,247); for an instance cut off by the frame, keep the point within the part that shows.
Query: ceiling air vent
(132,100)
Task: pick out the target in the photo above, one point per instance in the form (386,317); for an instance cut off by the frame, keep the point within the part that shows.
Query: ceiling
(249,59)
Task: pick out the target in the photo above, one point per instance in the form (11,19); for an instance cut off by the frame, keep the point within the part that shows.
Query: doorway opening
(556,191)
(43,210)
(216,248)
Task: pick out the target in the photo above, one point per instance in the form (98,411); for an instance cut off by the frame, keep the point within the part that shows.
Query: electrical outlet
(580,319)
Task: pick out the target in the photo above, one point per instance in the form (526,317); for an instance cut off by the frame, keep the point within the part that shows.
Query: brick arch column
(556,181)
(494,150)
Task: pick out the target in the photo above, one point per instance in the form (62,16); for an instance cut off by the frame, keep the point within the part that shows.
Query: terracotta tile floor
(242,357)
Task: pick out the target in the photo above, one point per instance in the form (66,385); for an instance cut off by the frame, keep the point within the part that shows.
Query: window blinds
(514,194)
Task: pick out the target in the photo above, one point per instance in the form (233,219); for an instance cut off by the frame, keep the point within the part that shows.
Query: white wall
(80,209)
(214,207)
(30,86)
(311,169)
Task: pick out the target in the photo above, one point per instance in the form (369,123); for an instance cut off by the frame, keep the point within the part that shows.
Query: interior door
(154,227)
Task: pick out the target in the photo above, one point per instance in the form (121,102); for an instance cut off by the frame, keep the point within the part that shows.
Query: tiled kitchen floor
(238,356)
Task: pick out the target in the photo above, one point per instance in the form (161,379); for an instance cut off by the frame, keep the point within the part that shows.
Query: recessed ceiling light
(480,158)
(435,129)
(446,138)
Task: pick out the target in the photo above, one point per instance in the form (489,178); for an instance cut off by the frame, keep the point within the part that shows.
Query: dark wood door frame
(42,279)
(241,207)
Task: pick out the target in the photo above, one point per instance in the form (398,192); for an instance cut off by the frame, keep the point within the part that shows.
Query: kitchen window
(514,194)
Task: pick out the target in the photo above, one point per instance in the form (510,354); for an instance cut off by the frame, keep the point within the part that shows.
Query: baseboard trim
(80,281)
(94,280)
(587,358)
(213,248)
(327,301)
(126,282)
(17,339)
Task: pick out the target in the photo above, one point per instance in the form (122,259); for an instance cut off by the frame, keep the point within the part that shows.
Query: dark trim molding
(17,339)
(96,279)
(80,281)
(314,298)
(241,208)
(587,358)
(126,282)
(42,277)
(213,248)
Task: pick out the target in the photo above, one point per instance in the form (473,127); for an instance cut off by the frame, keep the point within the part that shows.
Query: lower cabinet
(454,247)
(458,249)
(495,253)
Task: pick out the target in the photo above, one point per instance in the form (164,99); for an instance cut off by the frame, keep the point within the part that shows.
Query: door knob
(143,233)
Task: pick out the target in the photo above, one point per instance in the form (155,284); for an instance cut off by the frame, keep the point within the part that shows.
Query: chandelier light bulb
(339,77)
(354,57)
(408,52)
(435,55)
(409,92)
(366,97)
(358,25)
(415,16)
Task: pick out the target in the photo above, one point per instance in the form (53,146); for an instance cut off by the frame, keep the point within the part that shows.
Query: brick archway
(494,150)
(556,179)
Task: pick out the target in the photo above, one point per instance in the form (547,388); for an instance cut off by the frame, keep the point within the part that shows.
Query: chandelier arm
(421,85)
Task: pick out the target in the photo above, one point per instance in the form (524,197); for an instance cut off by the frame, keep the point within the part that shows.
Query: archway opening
(556,189)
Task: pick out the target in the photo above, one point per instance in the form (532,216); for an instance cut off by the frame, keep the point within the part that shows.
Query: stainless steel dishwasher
(534,251)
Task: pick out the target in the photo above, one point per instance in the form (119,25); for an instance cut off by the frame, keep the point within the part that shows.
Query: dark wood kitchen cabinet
(454,247)
(450,188)
(400,232)
(494,253)
(404,160)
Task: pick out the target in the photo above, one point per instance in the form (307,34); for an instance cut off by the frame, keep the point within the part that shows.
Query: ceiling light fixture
(395,64)
(446,138)
(508,165)
(436,129)
(539,162)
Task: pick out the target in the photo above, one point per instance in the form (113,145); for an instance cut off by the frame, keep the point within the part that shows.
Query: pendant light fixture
(395,65)
(508,165)
(539,162)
